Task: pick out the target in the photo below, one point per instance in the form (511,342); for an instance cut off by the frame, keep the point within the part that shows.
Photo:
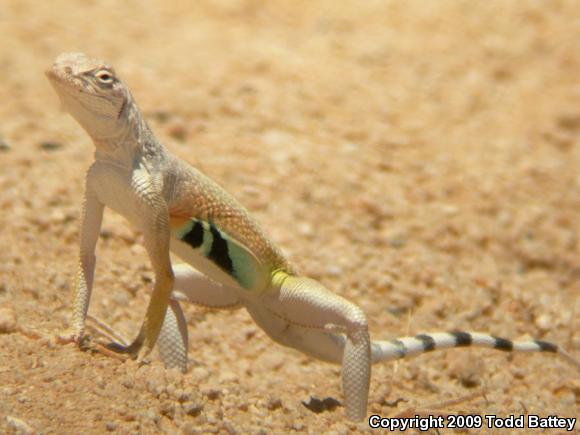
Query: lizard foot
(103,349)
(143,355)
(131,350)
(71,336)
(135,350)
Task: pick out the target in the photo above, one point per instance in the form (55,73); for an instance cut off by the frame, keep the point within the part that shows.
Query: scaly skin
(178,208)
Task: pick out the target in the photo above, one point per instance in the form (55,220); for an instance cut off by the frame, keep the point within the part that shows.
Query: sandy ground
(420,158)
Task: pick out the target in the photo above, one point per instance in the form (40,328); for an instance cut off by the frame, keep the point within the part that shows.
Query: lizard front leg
(91,220)
(154,216)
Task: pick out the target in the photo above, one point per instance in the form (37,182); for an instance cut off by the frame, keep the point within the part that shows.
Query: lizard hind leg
(305,302)
(196,288)
(173,339)
(190,286)
(193,287)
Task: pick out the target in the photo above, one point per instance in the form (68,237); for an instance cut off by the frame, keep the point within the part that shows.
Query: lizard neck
(131,143)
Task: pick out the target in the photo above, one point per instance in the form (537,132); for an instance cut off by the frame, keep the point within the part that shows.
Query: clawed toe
(70,336)
(103,350)
(134,351)
(119,348)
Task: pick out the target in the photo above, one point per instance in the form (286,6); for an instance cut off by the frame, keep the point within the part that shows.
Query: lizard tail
(409,346)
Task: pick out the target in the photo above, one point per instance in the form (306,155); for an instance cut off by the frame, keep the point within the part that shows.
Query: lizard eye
(104,76)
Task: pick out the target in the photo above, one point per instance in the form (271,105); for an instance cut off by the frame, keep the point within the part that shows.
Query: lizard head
(91,92)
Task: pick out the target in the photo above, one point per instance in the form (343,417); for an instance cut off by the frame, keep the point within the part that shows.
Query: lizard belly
(197,259)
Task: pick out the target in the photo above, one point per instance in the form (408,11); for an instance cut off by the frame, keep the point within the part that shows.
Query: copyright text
(459,421)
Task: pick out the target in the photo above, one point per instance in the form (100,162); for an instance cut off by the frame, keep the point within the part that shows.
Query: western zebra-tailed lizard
(180,209)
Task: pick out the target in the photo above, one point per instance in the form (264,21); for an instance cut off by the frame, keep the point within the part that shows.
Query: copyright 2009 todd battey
(459,421)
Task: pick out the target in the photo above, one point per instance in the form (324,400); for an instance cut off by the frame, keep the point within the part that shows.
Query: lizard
(229,262)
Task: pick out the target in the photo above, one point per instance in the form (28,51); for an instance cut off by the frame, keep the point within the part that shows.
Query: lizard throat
(132,137)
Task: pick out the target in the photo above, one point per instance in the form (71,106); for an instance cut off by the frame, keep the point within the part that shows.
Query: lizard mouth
(64,84)
(59,82)
(57,77)
(53,77)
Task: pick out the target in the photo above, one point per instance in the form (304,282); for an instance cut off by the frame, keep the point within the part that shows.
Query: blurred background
(420,158)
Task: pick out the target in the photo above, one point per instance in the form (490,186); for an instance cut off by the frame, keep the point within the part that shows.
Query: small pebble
(199,374)
(334,270)
(190,429)
(227,377)
(150,414)
(106,233)
(193,409)
(177,130)
(57,216)
(397,242)
(19,426)
(212,393)
(7,320)
(167,409)
(50,145)
(130,417)
(121,298)
(273,361)
(161,116)
(184,396)
(274,403)
(298,426)
(4,146)
(305,229)
(7,391)
(173,377)
(544,322)
(230,428)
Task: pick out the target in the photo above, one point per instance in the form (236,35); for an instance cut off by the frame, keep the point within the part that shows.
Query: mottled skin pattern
(179,209)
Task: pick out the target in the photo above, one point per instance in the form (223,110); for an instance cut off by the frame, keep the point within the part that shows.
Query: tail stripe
(400,348)
(546,346)
(503,344)
(428,342)
(462,338)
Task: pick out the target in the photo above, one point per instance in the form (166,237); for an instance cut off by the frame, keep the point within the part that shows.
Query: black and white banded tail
(421,343)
